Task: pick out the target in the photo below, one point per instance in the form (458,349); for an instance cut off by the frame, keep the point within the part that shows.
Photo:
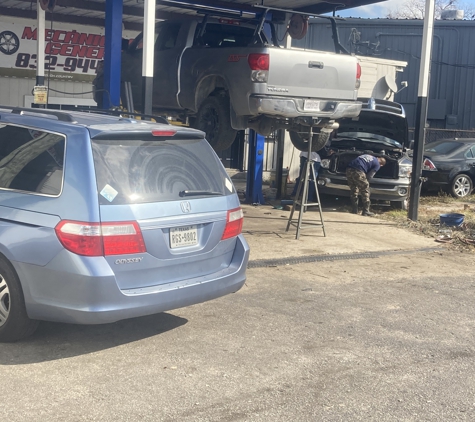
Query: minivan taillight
(100,239)
(358,76)
(234,222)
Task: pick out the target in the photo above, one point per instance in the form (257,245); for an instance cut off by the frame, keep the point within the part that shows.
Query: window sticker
(228,184)
(109,193)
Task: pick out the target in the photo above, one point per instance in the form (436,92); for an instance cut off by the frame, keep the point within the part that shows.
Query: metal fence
(433,135)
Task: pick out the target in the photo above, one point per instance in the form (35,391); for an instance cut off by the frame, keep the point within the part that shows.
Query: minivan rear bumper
(86,297)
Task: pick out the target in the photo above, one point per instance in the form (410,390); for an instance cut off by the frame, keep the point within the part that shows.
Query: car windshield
(370,137)
(136,171)
(444,147)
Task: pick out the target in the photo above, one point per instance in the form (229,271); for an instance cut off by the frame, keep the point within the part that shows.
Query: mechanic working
(358,173)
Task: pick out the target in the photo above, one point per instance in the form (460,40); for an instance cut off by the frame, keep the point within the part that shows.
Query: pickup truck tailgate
(312,74)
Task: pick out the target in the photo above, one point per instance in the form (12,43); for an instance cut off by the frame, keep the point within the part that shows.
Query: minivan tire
(214,119)
(300,140)
(14,320)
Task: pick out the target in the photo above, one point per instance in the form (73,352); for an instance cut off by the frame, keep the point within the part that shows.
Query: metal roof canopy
(136,15)
(93,12)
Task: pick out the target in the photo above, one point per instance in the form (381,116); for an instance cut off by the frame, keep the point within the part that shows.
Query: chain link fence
(433,135)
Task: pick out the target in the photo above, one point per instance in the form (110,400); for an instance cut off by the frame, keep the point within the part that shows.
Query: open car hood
(390,130)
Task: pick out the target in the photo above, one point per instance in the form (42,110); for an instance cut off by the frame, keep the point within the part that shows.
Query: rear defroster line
(260,263)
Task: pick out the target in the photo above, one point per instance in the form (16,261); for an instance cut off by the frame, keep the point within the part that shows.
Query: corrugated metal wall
(13,92)
(452,88)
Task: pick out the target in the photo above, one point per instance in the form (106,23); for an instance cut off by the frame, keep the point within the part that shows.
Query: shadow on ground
(53,341)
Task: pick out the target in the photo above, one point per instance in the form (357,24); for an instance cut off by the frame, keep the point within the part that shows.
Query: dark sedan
(449,165)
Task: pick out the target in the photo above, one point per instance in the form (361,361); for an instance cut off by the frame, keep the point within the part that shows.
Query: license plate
(311,105)
(183,236)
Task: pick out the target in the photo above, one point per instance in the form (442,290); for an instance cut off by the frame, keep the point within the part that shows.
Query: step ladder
(301,198)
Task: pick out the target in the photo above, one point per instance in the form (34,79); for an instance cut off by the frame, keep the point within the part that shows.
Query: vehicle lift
(301,198)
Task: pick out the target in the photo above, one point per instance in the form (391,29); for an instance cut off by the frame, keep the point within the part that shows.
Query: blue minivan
(104,218)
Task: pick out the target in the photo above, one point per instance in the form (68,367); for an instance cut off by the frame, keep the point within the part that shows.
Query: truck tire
(300,139)
(14,321)
(214,119)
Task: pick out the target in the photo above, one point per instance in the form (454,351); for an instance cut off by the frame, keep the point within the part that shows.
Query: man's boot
(354,206)
(366,210)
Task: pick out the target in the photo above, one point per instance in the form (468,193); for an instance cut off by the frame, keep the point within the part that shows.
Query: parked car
(449,165)
(380,130)
(105,218)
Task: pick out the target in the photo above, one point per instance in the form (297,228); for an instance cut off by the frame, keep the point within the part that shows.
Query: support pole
(40,48)
(280,164)
(254,168)
(421,111)
(112,55)
(301,199)
(40,51)
(148,55)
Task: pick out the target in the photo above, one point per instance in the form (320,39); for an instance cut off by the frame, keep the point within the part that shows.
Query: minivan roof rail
(60,115)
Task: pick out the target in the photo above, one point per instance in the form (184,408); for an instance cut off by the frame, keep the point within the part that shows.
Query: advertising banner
(70,54)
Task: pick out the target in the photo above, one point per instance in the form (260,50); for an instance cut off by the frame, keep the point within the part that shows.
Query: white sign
(70,54)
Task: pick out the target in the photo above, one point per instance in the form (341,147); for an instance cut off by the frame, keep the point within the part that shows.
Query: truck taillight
(100,239)
(259,64)
(234,222)
(258,61)
(358,75)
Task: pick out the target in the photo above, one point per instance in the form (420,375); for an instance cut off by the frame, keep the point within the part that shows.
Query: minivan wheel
(14,321)
(461,186)
(300,139)
(214,119)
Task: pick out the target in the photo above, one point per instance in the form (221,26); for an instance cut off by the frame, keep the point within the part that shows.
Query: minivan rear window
(137,171)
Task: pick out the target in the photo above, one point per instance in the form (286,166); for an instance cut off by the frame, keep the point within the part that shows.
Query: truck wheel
(401,205)
(14,321)
(213,118)
(300,139)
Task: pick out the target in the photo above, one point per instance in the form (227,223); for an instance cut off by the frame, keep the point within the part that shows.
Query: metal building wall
(452,91)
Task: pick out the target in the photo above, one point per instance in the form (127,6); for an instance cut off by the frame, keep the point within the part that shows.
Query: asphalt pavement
(370,323)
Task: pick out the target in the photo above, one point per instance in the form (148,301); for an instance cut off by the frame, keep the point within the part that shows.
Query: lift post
(112,53)
(254,168)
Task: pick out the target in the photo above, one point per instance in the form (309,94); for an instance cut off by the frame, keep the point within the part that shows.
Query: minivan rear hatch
(172,184)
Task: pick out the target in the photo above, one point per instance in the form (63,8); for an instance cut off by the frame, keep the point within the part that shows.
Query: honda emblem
(185,206)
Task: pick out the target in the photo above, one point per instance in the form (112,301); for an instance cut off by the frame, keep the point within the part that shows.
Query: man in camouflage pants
(358,173)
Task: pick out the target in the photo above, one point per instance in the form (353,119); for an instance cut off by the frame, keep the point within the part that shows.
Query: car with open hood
(381,130)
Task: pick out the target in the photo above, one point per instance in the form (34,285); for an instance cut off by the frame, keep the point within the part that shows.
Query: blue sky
(380,10)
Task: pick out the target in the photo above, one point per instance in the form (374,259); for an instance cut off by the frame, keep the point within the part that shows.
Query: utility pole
(421,110)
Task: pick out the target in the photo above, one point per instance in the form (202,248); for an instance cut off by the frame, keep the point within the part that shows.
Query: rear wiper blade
(198,192)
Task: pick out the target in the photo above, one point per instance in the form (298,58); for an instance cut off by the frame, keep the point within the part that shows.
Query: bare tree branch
(414,9)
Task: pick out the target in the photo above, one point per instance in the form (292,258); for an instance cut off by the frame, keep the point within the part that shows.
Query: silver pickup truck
(224,75)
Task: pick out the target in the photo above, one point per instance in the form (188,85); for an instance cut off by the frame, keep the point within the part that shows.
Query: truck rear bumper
(297,107)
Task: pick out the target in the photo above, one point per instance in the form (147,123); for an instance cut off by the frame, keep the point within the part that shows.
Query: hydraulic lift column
(112,55)
(254,168)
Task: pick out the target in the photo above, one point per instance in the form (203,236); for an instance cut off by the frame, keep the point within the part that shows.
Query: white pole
(421,110)
(148,55)
(40,53)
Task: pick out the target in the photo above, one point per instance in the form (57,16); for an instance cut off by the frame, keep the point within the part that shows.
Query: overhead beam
(329,5)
